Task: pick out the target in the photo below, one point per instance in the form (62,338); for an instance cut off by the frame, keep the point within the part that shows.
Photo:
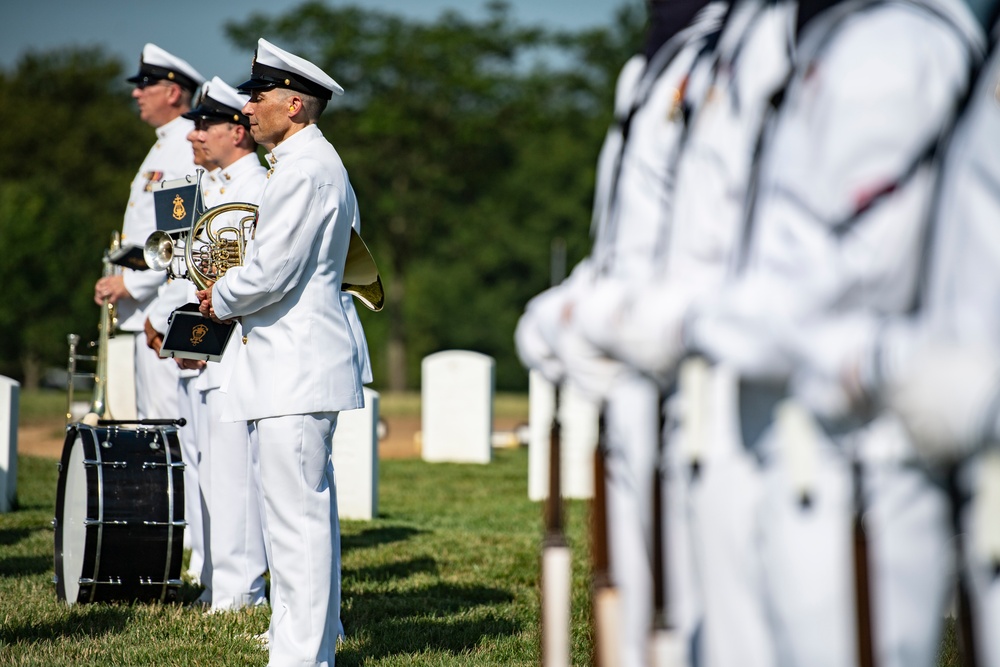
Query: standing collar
(294,143)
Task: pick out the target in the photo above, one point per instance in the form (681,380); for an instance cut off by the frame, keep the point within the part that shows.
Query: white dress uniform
(958,307)
(641,325)
(169,158)
(235,529)
(299,364)
(631,213)
(836,228)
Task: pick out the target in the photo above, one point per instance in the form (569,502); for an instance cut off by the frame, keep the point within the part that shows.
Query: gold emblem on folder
(198,332)
(179,210)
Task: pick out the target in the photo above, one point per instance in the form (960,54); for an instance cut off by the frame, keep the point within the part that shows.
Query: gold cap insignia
(170,75)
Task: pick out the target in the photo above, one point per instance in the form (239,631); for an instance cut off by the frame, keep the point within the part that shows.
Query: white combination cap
(274,67)
(155,64)
(220,101)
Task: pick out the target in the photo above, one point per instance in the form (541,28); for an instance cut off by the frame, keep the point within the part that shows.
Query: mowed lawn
(447,575)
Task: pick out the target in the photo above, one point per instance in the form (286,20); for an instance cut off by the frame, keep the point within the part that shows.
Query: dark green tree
(73,144)
(471,145)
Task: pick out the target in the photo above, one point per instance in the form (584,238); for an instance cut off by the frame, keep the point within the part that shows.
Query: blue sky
(193,29)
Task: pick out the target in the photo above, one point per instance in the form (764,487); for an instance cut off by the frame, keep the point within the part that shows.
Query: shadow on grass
(438,599)
(19,566)
(399,570)
(403,636)
(95,621)
(11,536)
(373,537)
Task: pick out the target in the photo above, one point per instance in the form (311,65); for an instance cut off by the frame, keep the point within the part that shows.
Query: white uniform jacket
(960,287)
(842,194)
(242,181)
(751,61)
(169,158)
(300,355)
(634,177)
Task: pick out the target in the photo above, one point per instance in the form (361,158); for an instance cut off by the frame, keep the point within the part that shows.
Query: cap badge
(179,210)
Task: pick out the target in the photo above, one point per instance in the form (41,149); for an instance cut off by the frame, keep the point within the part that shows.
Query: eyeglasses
(146,82)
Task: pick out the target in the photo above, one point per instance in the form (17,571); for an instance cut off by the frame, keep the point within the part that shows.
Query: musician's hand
(154,339)
(204,297)
(110,289)
(189,364)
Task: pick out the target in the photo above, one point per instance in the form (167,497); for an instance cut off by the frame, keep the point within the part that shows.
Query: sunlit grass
(446,575)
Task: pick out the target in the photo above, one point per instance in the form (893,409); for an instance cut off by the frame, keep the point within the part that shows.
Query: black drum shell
(134,524)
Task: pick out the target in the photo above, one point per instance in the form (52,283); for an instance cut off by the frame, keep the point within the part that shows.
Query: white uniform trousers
(155,383)
(725,500)
(234,533)
(807,552)
(291,463)
(189,405)
(631,421)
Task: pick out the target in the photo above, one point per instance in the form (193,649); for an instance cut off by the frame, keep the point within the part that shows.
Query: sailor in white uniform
(299,363)
(164,87)
(631,212)
(834,226)
(235,559)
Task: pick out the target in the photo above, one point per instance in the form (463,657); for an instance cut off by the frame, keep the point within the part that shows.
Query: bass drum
(119,514)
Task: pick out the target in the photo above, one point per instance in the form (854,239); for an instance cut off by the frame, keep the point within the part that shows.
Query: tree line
(471,145)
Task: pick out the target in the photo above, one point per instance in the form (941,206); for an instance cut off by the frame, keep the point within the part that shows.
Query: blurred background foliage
(471,145)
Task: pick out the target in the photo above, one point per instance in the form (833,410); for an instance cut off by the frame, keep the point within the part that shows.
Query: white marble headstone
(10,391)
(121,375)
(355,460)
(457,407)
(578,439)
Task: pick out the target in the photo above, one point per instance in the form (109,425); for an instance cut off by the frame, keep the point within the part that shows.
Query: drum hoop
(162,433)
(100,506)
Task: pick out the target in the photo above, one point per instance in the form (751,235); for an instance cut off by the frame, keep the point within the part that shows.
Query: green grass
(446,575)
(407,404)
(45,405)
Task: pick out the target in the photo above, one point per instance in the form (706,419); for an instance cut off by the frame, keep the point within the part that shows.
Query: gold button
(244,340)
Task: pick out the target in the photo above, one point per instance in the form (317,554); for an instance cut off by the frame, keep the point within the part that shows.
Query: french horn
(211,247)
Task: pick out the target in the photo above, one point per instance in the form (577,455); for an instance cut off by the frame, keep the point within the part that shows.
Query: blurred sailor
(730,96)
(834,225)
(631,204)
(164,86)
(298,363)
(939,368)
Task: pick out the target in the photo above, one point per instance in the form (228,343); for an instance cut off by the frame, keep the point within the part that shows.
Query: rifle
(556,561)
(966,635)
(862,577)
(666,649)
(604,595)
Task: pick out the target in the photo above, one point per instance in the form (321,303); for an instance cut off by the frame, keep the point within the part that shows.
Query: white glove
(535,332)
(828,355)
(945,398)
(641,329)
(589,369)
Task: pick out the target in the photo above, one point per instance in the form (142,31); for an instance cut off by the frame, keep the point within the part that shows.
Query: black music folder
(129,256)
(192,336)
(177,204)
